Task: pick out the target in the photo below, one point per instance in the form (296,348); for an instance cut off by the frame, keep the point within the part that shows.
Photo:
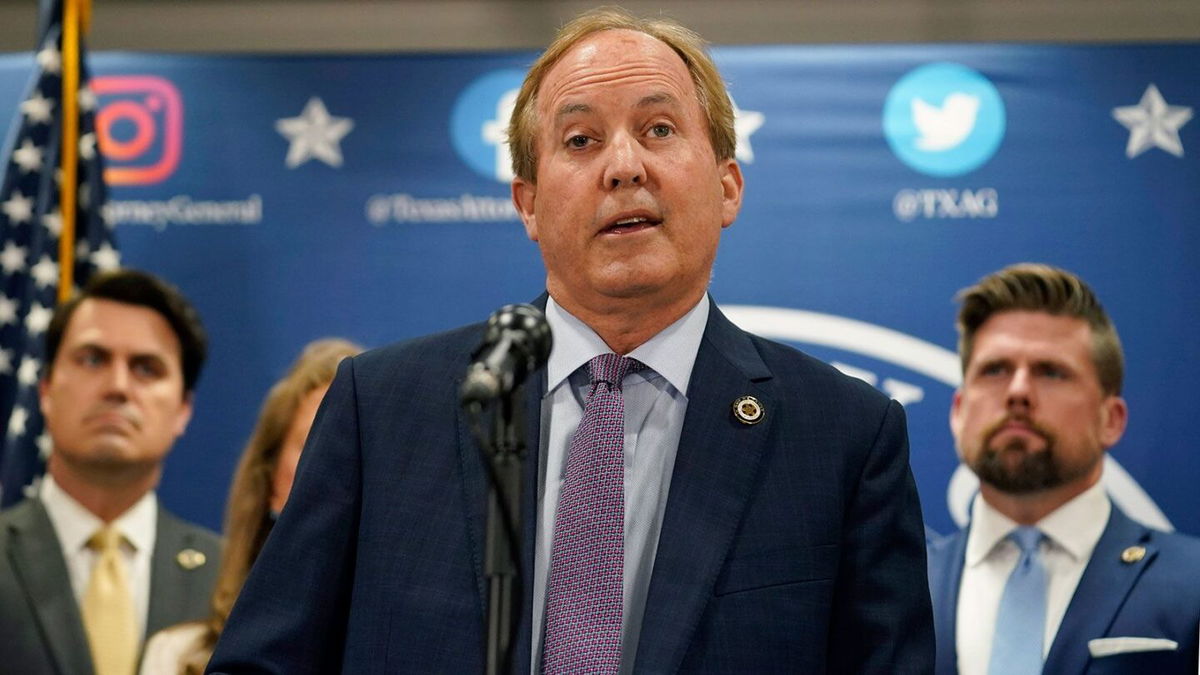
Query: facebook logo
(479,122)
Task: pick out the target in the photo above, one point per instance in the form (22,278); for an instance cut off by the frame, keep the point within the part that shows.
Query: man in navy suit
(1039,405)
(766,515)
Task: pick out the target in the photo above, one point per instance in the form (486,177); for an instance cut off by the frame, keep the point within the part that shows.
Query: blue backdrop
(366,196)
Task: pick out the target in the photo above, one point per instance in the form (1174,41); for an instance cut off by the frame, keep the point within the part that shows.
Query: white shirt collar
(1075,527)
(74,524)
(671,353)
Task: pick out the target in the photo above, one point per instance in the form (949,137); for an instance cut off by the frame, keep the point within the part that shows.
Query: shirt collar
(671,353)
(1075,527)
(74,524)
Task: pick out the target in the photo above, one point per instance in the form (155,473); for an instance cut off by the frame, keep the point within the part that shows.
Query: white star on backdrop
(85,195)
(53,222)
(50,59)
(12,258)
(745,122)
(106,257)
(27,374)
(45,445)
(87,146)
(38,318)
(1153,124)
(28,157)
(16,421)
(45,272)
(18,208)
(315,134)
(37,108)
(87,99)
(8,314)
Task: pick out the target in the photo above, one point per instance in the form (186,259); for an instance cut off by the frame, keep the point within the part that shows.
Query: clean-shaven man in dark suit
(1038,407)
(122,361)
(766,519)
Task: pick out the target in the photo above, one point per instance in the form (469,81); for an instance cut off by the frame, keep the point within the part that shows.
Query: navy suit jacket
(1157,596)
(792,545)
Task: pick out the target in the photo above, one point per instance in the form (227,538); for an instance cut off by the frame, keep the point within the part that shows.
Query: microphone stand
(504,456)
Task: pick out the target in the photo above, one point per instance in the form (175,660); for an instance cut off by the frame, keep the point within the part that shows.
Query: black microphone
(516,343)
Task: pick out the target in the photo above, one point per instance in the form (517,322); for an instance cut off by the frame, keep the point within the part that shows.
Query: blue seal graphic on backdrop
(480,119)
(944,119)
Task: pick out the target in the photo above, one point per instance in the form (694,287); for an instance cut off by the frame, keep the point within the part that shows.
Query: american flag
(30,226)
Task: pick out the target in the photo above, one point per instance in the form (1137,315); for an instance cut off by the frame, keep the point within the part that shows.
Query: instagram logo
(139,126)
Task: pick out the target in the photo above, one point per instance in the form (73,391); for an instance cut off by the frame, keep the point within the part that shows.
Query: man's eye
(90,359)
(992,369)
(1053,372)
(578,141)
(147,369)
(661,130)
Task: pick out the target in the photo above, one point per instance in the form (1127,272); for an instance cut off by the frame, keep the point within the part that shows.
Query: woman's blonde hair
(247,514)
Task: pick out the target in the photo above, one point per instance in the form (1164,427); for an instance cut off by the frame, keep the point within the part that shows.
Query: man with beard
(1050,576)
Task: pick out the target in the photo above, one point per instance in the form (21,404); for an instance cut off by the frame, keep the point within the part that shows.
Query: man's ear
(732,187)
(43,398)
(524,194)
(184,415)
(956,414)
(1114,418)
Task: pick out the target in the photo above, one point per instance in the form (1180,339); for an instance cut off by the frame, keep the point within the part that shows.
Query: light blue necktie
(1021,621)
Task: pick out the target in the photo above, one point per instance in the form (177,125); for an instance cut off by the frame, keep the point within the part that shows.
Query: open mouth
(629,224)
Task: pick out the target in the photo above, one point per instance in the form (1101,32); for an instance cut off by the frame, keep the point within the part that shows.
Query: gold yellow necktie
(108,608)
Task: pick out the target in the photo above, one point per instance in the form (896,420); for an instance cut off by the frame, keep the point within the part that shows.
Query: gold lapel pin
(1133,554)
(190,558)
(748,410)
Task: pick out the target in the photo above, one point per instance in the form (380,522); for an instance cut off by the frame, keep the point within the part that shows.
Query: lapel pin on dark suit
(747,410)
(189,558)
(1133,554)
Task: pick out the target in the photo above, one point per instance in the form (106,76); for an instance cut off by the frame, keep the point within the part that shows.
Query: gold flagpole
(76,16)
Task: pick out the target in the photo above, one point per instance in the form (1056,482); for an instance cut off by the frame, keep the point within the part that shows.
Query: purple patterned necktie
(584,596)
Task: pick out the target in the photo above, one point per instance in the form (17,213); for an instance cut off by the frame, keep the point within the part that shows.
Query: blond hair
(710,88)
(1042,288)
(247,513)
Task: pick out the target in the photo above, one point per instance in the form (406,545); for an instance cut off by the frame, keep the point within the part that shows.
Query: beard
(1014,468)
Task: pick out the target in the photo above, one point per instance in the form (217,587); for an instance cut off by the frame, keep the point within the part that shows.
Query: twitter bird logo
(945,127)
(944,119)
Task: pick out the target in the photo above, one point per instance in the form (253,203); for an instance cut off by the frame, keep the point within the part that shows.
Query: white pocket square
(1124,645)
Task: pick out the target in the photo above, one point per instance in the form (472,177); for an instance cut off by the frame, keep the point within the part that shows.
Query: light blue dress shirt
(655,404)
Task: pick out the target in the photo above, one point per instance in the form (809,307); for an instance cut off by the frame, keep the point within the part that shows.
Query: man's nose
(119,379)
(625,167)
(1020,390)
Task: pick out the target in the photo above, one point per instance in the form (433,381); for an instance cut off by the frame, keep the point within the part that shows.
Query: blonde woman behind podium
(259,490)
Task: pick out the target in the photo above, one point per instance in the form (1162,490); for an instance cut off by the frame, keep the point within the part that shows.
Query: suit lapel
(535,390)
(475,492)
(175,591)
(38,560)
(946,561)
(1106,582)
(713,477)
